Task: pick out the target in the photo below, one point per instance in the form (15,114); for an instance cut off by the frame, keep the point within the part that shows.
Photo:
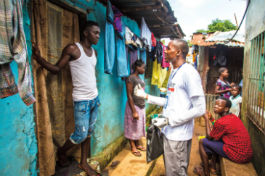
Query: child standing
(236,100)
(223,87)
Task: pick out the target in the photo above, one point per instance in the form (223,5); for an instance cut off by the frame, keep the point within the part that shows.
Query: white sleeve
(240,100)
(198,109)
(156,100)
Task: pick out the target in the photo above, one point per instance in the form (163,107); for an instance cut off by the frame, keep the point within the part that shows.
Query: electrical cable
(240,22)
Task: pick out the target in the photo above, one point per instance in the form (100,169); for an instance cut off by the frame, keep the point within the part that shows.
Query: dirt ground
(126,164)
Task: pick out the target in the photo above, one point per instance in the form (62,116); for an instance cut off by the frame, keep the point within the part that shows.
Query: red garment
(237,143)
(153,39)
(164,64)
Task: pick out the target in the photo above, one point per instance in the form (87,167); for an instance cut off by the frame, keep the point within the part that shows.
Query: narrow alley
(132,88)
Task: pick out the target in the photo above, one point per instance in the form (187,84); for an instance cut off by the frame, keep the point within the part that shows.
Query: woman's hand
(135,115)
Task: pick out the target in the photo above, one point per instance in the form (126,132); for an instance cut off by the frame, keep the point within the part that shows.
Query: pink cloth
(164,63)
(134,129)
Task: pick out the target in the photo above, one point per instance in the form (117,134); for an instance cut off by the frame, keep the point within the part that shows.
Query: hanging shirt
(146,34)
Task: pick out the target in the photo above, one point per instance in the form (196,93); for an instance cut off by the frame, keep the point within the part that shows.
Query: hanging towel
(13,47)
(146,34)
(109,48)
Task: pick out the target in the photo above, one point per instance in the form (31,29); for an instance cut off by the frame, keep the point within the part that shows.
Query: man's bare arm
(69,52)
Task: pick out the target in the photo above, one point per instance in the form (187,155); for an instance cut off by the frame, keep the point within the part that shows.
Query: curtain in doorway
(52,29)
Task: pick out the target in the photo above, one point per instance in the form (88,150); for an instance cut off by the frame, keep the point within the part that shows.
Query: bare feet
(63,160)
(198,170)
(89,171)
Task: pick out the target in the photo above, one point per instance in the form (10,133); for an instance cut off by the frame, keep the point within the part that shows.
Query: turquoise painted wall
(18,144)
(112,90)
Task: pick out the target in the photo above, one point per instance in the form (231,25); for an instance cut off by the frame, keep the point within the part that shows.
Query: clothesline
(124,47)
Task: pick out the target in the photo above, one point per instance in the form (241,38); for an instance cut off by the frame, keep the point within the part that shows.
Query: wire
(240,22)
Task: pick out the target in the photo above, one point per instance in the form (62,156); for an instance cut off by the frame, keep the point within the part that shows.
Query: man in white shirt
(185,101)
(82,59)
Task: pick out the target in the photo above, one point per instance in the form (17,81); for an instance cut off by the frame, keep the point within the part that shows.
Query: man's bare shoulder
(72,50)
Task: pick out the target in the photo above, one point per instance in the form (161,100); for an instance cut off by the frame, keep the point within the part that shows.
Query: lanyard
(169,82)
(173,74)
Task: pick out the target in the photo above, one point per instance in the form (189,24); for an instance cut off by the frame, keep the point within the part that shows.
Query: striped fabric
(13,47)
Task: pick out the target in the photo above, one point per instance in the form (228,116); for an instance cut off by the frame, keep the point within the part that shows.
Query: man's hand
(208,116)
(135,115)
(139,92)
(160,122)
(35,52)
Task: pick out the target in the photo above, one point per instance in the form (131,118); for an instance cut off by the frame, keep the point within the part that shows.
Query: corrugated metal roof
(157,13)
(223,37)
(218,38)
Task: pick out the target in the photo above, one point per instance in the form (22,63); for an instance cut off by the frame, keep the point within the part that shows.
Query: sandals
(141,148)
(137,153)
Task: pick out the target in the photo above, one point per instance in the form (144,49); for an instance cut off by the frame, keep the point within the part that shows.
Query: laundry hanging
(121,56)
(165,63)
(158,74)
(109,47)
(13,47)
(146,34)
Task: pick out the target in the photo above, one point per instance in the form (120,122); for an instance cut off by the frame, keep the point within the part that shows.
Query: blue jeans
(85,113)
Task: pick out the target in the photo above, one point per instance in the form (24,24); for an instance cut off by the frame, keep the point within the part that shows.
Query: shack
(215,51)
(31,134)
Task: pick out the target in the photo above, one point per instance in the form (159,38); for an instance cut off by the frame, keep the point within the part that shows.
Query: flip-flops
(137,153)
(141,148)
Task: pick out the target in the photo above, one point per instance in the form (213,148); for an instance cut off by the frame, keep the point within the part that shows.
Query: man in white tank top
(82,60)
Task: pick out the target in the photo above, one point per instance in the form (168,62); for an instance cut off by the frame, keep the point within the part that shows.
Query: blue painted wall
(112,90)
(18,144)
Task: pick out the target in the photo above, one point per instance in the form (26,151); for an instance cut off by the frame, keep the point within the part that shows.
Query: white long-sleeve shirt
(185,101)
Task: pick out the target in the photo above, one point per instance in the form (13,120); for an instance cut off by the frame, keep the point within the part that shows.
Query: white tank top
(83,76)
